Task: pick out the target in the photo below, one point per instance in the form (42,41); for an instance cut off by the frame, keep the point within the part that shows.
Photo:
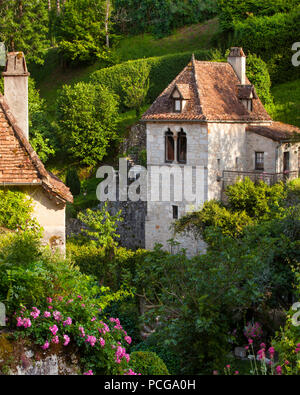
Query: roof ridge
(197,84)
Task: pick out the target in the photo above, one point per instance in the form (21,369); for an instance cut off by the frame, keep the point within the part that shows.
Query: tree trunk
(107,22)
(58,6)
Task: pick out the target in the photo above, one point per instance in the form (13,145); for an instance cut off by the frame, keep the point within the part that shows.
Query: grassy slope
(52,76)
(287,102)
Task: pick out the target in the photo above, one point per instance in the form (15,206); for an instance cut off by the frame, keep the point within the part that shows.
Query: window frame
(169,134)
(257,163)
(181,135)
(174,106)
(175,212)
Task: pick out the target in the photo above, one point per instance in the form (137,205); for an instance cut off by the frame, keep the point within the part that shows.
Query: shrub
(271,38)
(73,182)
(148,363)
(162,71)
(87,119)
(15,209)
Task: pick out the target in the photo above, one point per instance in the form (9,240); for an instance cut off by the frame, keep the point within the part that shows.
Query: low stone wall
(20,357)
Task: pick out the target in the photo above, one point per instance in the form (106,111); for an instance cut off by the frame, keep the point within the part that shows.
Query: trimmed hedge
(162,71)
(148,363)
(271,38)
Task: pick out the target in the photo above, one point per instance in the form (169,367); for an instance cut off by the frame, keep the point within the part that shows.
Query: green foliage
(87,117)
(160,17)
(232,11)
(24,27)
(214,214)
(135,85)
(271,38)
(73,182)
(247,204)
(196,300)
(148,363)
(80,31)
(257,200)
(162,71)
(15,209)
(287,102)
(101,226)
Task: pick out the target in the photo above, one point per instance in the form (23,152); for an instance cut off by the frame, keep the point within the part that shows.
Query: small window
(175,212)
(169,146)
(259,161)
(237,162)
(181,147)
(219,164)
(177,105)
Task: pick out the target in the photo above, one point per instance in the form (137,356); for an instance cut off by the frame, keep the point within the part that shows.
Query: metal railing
(230,177)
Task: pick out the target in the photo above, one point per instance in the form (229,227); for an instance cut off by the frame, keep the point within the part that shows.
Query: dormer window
(180,95)
(177,105)
(246,94)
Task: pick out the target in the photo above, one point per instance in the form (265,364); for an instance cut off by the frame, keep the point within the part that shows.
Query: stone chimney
(237,59)
(16,88)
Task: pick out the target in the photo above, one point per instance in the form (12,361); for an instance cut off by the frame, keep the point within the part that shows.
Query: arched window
(169,146)
(181,147)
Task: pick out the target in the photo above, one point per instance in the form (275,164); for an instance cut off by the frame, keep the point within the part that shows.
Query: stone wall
(160,213)
(20,357)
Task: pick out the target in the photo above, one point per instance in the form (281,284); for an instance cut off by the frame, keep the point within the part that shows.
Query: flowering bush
(77,321)
(253,331)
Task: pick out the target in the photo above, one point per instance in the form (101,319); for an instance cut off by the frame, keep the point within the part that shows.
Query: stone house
(211,117)
(20,166)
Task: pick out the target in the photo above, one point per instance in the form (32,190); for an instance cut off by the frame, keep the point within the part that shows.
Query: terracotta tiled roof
(276,131)
(213,96)
(19,163)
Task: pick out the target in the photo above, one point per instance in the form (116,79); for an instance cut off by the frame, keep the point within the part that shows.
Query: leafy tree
(87,117)
(135,85)
(24,27)
(81,33)
(102,226)
(73,182)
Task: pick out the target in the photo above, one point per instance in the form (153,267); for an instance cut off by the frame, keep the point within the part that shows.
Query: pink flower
(215,372)
(279,370)
(88,373)
(297,350)
(70,301)
(57,315)
(60,298)
(79,297)
(286,362)
(127,339)
(92,340)
(26,323)
(46,345)
(19,321)
(131,373)
(272,351)
(102,342)
(67,340)
(83,305)
(250,341)
(81,330)
(49,300)
(55,340)
(47,314)
(93,319)
(247,348)
(236,372)
(68,321)
(53,329)
(228,366)
(50,307)
(263,345)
